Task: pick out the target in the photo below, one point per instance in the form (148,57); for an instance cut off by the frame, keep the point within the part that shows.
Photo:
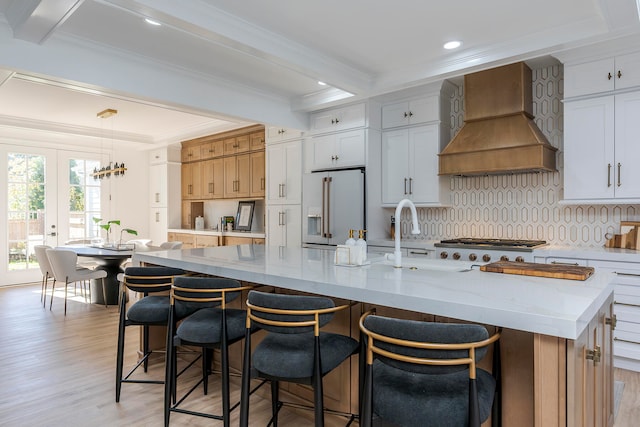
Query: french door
(50,199)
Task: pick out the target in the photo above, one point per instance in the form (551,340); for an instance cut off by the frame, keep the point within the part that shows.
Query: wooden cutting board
(557,271)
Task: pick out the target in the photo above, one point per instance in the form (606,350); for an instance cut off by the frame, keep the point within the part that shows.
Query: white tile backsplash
(522,206)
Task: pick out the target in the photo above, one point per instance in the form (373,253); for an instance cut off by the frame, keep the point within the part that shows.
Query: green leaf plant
(107,227)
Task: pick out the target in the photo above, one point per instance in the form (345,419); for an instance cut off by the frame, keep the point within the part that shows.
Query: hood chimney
(499,135)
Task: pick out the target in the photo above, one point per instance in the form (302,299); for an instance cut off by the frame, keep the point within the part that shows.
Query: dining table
(109,260)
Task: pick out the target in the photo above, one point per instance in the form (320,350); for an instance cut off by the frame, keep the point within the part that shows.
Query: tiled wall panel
(522,206)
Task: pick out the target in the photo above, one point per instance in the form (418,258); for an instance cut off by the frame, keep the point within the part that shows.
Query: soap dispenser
(350,241)
(362,245)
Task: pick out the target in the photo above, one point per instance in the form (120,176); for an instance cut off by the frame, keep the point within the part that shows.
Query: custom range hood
(499,135)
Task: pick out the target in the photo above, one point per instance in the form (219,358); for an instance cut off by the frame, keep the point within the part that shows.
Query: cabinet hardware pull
(157,197)
(609,175)
(284,193)
(594,354)
(629,341)
(284,218)
(565,263)
(419,253)
(410,185)
(262,183)
(619,166)
(405,186)
(609,76)
(157,216)
(619,73)
(613,321)
(410,114)
(406,115)
(626,304)
(627,274)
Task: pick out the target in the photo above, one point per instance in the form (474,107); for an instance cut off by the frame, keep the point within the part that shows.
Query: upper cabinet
(601,130)
(225,165)
(601,150)
(339,119)
(281,134)
(411,112)
(336,150)
(604,75)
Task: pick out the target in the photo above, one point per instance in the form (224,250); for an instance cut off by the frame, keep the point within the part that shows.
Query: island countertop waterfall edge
(554,307)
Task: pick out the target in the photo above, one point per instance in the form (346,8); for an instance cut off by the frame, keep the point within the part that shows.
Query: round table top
(97,252)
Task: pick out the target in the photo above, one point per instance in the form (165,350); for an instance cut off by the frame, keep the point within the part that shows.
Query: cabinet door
(213,149)
(230,177)
(284,172)
(589,149)
(395,162)
(257,174)
(394,115)
(627,145)
(348,117)
(158,185)
(186,222)
(243,175)
(589,77)
(424,110)
(191,154)
(256,141)
(158,224)
(243,144)
(208,184)
(191,180)
(218,178)
(350,149)
(284,225)
(424,183)
(278,134)
(627,71)
(322,152)
(276,171)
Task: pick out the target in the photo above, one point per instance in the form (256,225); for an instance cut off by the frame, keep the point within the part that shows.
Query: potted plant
(107,227)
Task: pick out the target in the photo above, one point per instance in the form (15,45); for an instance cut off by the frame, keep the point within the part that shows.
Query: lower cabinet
(234,240)
(284,225)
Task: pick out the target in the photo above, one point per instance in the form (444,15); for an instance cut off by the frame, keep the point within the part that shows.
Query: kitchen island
(556,340)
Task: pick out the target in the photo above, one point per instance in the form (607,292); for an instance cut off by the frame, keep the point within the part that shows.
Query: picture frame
(244,217)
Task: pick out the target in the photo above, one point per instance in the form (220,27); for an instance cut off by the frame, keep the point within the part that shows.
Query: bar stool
(148,311)
(425,373)
(212,325)
(294,349)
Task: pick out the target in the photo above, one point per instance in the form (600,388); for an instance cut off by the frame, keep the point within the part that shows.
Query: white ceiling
(261,59)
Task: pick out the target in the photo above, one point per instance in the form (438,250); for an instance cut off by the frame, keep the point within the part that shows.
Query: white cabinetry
(164,185)
(410,112)
(284,166)
(279,134)
(336,150)
(339,119)
(284,225)
(410,164)
(604,75)
(601,149)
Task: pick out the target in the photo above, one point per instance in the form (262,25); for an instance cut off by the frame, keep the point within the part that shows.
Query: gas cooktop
(479,243)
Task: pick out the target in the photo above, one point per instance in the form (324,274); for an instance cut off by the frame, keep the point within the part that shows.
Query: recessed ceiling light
(151,21)
(322,83)
(452,44)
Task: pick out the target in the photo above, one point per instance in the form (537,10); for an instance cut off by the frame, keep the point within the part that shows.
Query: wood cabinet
(212,149)
(213,179)
(237,173)
(188,240)
(339,119)
(284,225)
(411,112)
(192,180)
(257,174)
(601,150)
(337,150)
(603,75)
(229,165)
(284,167)
(206,241)
(410,166)
(235,240)
(589,373)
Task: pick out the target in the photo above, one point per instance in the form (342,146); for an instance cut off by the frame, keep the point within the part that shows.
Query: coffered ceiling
(213,65)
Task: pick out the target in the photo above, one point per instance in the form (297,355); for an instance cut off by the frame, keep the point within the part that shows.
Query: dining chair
(152,309)
(45,269)
(171,245)
(208,323)
(293,350)
(64,265)
(426,374)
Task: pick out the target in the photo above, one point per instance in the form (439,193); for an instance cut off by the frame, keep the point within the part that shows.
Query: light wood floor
(60,371)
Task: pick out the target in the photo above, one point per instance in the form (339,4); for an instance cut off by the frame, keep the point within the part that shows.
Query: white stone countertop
(553,307)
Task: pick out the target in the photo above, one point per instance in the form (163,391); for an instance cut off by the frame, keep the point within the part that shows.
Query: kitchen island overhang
(554,307)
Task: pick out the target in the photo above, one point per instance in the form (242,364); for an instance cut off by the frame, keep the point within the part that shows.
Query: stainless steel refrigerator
(333,202)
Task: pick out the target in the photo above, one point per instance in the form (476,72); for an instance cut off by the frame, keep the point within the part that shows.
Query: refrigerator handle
(324,197)
(327,208)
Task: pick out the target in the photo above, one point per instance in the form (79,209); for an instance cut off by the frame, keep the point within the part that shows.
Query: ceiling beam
(35,20)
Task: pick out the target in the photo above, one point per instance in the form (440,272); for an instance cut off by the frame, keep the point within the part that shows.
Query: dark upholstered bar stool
(148,311)
(212,325)
(425,373)
(294,349)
